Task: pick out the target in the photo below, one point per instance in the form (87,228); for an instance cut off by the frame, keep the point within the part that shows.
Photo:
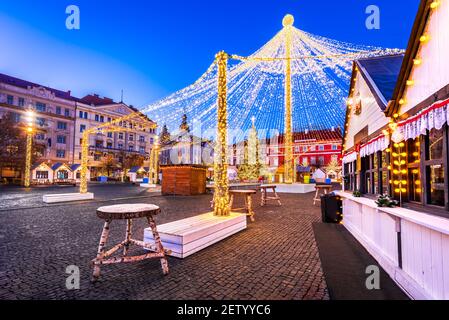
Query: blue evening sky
(152,48)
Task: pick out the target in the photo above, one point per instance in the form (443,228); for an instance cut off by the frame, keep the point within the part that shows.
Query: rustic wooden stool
(321,189)
(247,195)
(265,198)
(128,212)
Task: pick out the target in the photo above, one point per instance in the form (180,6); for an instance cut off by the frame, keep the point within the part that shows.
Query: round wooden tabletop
(323,186)
(127,211)
(243,191)
(266,186)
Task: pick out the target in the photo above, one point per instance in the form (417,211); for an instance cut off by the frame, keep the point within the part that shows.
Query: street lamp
(30,119)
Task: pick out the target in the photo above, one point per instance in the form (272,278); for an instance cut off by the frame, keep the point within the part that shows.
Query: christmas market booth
(184,180)
(396,159)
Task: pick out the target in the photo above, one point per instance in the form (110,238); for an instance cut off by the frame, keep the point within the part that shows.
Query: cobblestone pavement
(275,258)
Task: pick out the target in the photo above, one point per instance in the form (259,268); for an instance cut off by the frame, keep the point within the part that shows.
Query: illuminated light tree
(165,136)
(251,167)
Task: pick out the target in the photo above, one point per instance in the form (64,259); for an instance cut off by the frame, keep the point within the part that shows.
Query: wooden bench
(128,212)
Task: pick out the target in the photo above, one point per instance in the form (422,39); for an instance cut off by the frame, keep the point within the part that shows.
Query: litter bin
(331,208)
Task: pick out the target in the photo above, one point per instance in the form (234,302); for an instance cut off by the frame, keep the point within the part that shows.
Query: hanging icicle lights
(320,76)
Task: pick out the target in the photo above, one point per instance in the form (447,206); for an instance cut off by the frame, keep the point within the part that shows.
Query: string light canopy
(320,71)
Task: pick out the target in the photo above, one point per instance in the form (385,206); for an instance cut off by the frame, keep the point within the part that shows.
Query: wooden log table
(265,198)
(128,212)
(321,189)
(247,195)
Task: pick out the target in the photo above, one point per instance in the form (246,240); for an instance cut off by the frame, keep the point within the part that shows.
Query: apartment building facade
(60,120)
(55,117)
(137,139)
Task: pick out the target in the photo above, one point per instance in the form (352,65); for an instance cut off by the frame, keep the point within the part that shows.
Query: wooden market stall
(184,180)
(396,143)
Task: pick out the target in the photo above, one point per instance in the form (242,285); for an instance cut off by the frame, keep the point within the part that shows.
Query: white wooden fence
(412,247)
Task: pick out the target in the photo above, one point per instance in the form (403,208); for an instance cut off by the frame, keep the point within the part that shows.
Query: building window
(120,136)
(110,135)
(131,148)
(86,115)
(305,162)
(62,175)
(40,121)
(109,119)
(334,147)
(109,145)
(97,118)
(81,114)
(60,154)
(131,137)
(15,117)
(151,140)
(313,160)
(120,146)
(42,175)
(142,138)
(321,161)
(370,165)
(82,128)
(142,149)
(62,125)
(384,173)
(67,112)
(10,100)
(61,139)
(321,148)
(351,176)
(41,107)
(375,173)
(101,118)
(21,102)
(40,136)
(413,170)
(58,110)
(434,165)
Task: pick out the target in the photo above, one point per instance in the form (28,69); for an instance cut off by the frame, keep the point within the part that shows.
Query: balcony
(104,149)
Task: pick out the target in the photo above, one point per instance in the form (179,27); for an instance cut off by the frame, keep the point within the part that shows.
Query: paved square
(275,258)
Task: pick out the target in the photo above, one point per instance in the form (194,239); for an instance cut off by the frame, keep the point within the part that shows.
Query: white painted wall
(371,116)
(433,73)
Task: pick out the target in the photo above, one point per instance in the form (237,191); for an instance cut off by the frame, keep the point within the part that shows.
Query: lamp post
(29,132)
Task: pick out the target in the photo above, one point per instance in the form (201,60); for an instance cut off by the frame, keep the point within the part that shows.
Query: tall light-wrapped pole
(29,147)
(221,195)
(84,161)
(288,136)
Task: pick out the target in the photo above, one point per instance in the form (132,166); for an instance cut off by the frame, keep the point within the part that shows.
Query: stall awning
(381,143)
(433,117)
(350,157)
